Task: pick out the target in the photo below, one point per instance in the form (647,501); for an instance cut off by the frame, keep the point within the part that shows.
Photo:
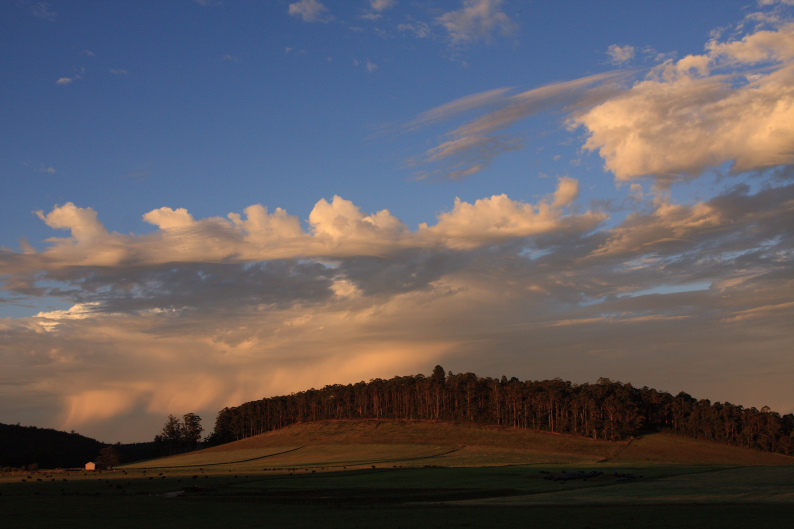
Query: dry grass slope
(382,443)
(664,448)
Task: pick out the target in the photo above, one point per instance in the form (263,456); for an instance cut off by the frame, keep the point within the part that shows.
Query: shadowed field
(747,485)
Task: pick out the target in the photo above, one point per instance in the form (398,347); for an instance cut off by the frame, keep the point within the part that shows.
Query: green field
(401,474)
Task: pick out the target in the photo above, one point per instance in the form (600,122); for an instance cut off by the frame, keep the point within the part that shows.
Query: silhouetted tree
(172,434)
(110,456)
(183,436)
(191,430)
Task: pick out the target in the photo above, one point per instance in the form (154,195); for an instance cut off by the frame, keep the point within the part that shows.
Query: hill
(606,410)
(390,443)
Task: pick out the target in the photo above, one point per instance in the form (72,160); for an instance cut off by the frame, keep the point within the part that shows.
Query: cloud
(377,7)
(76,312)
(63,81)
(498,219)
(567,192)
(459,106)
(127,273)
(83,222)
(620,54)
(382,5)
(310,11)
(684,118)
(167,218)
(479,20)
(775,45)
(418,28)
(471,147)
(337,229)
(731,107)
(44,10)
(684,127)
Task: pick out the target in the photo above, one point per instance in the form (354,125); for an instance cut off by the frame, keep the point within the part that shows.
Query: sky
(206,202)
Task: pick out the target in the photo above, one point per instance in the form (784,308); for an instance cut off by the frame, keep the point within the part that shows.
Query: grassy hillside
(665,448)
(329,445)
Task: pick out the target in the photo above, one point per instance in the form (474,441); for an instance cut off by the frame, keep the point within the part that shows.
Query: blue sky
(536,189)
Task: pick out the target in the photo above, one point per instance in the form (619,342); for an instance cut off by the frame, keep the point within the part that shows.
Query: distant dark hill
(21,446)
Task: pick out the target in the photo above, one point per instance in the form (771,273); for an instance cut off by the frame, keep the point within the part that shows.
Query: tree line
(605,410)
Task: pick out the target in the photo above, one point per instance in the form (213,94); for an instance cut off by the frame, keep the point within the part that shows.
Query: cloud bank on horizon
(653,286)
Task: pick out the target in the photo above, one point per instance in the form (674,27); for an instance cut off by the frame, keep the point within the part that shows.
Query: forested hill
(604,410)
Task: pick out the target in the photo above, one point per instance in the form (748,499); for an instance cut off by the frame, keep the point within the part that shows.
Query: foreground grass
(158,513)
(669,486)
(666,496)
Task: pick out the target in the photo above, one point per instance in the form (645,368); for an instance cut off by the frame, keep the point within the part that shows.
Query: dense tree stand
(604,410)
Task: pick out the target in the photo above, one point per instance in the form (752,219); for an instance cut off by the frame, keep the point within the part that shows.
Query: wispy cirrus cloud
(43,10)
(471,147)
